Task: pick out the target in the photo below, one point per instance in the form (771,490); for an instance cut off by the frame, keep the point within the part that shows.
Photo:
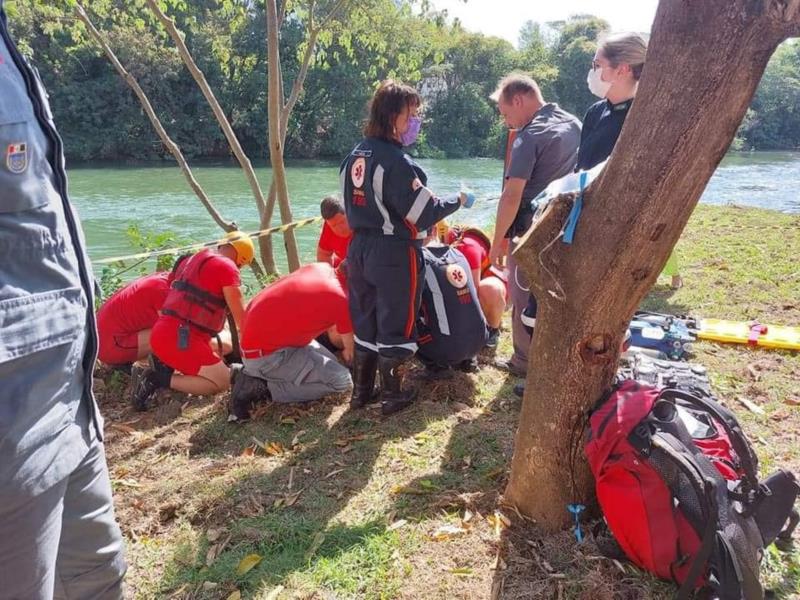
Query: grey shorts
(300,374)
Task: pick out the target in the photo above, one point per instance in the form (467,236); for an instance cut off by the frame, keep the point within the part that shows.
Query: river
(156,198)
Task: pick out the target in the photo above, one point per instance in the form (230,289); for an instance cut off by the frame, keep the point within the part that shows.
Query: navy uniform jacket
(602,125)
(451,324)
(384,192)
(48,344)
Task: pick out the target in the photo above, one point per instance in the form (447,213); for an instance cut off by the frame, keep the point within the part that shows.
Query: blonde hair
(514,84)
(625,48)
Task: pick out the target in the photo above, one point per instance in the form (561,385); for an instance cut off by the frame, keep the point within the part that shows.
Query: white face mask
(596,84)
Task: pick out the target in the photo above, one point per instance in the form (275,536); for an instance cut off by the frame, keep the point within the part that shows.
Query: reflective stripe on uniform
(412,346)
(419,205)
(377,190)
(363,344)
(438,301)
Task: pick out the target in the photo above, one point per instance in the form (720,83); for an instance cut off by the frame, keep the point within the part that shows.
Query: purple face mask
(410,135)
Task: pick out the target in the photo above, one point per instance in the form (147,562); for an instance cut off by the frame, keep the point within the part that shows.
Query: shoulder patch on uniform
(456,276)
(517,142)
(357,171)
(17,157)
(363,153)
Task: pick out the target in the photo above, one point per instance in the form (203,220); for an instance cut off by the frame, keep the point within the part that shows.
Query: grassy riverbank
(334,505)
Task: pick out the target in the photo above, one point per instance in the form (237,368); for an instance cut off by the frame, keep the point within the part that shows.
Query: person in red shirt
(206,285)
(281,357)
(124,320)
(492,287)
(336,233)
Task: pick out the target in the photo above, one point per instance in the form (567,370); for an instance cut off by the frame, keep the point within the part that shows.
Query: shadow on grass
(308,515)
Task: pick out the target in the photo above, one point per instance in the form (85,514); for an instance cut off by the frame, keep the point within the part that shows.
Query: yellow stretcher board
(752,333)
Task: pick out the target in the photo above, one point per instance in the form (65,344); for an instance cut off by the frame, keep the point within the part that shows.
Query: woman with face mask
(614,77)
(389,208)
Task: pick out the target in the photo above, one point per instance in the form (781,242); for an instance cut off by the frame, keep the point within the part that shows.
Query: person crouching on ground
(281,359)
(205,286)
(490,281)
(336,235)
(452,328)
(389,209)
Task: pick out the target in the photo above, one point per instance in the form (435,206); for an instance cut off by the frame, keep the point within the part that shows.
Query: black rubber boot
(246,391)
(393,398)
(149,381)
(365,364)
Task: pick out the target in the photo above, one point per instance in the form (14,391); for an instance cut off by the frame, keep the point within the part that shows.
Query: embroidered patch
(456,276)
(517,142)
(17,157)
(357,172)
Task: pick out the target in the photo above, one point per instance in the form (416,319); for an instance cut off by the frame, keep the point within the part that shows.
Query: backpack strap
(705,489)
(738,440)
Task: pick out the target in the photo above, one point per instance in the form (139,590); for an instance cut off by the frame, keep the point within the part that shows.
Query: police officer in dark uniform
(452,327)
(58,535)
(389,208)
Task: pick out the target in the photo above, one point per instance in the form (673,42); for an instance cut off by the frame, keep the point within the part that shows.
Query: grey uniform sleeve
(523,156)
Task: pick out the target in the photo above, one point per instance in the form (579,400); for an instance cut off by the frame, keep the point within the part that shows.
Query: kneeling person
(124,320)
(206,285)
(278,345)
(452,328)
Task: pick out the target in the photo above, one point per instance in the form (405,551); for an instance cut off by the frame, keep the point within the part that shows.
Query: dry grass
(352,505)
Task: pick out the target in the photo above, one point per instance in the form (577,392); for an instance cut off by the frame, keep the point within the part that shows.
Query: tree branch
(222,119)
(169,144)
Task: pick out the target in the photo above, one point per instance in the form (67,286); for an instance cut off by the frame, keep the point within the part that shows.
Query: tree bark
(265,244)
(704,61)
(274,106)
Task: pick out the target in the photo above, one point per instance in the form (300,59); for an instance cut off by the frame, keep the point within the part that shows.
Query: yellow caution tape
(195,247)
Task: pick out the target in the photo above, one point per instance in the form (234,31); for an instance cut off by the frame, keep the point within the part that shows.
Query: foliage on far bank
(455,70)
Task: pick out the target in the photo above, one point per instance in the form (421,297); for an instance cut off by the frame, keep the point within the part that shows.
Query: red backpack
(677,482)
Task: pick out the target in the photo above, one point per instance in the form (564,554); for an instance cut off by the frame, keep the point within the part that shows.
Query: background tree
(704,62)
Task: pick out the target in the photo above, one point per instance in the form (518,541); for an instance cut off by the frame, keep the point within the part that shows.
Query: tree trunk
(274,106)
(705,59)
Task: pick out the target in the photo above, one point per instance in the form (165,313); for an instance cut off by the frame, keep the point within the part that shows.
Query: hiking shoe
(505,364)
(494,337)
(146,388)
(434,373)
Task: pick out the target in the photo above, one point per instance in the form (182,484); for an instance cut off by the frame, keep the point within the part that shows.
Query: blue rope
(575,213)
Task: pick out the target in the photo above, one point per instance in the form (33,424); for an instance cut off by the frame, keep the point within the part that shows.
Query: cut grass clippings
(315,502)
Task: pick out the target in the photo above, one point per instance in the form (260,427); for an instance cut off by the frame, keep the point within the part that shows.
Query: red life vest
(191,303)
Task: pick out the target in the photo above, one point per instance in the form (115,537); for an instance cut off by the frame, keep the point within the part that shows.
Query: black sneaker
(145,390)
(469,365)
(494,337)
(519,390)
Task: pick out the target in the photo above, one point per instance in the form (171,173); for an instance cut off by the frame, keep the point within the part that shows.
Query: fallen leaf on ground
(397,525)
(446,532)
(288,420)
(274,448)
(247,563)
(499,521)
(750,405)
(248,452)
(237,595)
(792,401)
(468,516)
(131,483)
(273,595)
(406,489)
(297,436)
(213,535)
(459,406)
(318,539)
(461,571)
(332,473)
(209,586)
(494,473)
(291,499)
(123,428)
